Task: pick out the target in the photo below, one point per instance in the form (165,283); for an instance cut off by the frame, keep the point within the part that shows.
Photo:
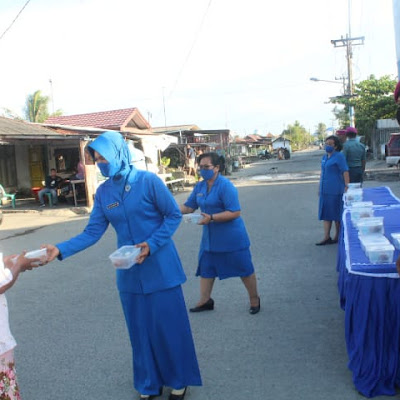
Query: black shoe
(255,310)
(207,306)
(177,396)
(152,396)
(324,242)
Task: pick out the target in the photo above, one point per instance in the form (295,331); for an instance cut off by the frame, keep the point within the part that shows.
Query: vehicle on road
(264,155)
(392,149)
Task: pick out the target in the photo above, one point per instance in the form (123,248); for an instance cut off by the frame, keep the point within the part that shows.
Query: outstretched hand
(145,251)
(52,252)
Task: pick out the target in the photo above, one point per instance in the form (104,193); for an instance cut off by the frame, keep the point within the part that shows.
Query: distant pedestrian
(355,155)
(225,245)
(190,159)
(341,134)
(333,183)
(52,183)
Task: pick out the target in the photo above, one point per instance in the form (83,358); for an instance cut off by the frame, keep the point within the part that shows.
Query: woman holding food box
(143,213)
(334,181)
(225,245)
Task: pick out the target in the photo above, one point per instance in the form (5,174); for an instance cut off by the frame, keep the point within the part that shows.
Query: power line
(191,49)
(12,23)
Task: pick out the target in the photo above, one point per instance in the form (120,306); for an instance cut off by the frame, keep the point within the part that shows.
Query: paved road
(73,344)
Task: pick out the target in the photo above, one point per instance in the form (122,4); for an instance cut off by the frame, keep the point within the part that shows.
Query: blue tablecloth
(371,303)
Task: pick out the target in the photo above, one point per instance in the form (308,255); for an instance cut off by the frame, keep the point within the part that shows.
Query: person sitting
(51,185)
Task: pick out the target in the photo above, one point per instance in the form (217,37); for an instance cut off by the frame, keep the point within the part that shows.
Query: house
(282,143)
(200,139)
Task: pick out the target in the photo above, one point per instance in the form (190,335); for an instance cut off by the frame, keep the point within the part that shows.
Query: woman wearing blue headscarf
(143,213)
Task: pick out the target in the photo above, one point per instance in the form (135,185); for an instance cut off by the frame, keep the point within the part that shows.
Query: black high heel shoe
(256,309)
(207,306)
(173,396)
(152,396)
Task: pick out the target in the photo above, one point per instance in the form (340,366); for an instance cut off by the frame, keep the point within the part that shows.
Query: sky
(244,66)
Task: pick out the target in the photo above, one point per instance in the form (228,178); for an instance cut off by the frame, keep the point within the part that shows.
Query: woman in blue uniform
(143,213)
(333,183)
(225,245)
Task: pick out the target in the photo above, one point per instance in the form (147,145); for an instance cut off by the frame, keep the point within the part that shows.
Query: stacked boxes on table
(370,228)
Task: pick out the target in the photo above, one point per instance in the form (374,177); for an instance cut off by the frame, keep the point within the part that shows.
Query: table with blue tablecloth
(370,296)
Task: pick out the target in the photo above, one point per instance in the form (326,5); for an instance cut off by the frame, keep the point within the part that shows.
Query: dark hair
(398,115)
(216,160)
(53,169)
(338,144)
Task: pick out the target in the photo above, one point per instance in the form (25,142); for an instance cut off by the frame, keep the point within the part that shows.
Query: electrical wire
(190,50)
(12,23)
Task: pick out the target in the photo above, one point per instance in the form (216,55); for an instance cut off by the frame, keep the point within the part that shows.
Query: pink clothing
(8,378)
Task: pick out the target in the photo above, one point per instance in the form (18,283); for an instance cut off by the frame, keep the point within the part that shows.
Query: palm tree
(36,107)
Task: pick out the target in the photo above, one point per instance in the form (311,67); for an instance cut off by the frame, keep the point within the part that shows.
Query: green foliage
(321,131)
(373,100)
(36,107)
(298,135)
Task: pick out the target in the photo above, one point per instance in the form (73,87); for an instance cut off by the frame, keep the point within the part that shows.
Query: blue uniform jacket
(332,169)
(219,236)
(141,209)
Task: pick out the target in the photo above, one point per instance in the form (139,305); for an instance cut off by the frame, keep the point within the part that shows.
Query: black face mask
(398,115)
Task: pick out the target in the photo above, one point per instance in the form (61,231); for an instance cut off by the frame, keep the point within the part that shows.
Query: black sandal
(324,242)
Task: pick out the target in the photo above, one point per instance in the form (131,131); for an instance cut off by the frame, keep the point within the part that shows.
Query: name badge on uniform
(113,205)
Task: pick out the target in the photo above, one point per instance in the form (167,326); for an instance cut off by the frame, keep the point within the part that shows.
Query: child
(10,267)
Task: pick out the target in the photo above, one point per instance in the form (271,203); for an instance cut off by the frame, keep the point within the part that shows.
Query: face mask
(108,169)
(207,174)
(329,149)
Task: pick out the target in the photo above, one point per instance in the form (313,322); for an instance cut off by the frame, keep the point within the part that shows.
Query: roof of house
(114,119)
(13,127)
(175,128)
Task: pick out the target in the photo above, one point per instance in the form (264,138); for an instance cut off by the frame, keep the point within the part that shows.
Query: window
(8,172)
(66,159)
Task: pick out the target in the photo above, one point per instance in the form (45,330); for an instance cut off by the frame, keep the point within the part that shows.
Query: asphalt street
(72,340)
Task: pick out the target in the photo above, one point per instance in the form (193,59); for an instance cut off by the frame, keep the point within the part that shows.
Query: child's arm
(13,266)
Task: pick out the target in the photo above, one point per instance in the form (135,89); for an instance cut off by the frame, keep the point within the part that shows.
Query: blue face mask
(108,169)
(207,174)
(329,149)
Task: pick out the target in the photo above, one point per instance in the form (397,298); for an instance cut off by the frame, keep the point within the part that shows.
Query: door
(36,166)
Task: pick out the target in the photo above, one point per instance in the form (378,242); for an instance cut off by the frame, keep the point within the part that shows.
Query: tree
(298,136)
(373,100)
(321,131)
(36,107)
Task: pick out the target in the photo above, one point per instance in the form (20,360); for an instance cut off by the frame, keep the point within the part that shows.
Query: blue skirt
(330,207)
(225,265)
(161,339)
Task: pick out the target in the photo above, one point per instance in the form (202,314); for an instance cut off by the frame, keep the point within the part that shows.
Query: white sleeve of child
(5,274)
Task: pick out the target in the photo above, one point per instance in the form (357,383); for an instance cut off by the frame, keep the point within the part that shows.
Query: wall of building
(22,167)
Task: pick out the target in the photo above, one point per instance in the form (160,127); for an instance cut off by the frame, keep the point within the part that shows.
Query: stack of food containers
(370,228)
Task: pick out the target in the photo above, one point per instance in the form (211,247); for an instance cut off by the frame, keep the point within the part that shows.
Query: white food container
(125,257)
(380,254)
(355,185)
(192,218)
(353,195)
(358,213)
(370,226)
(371,240)
(40,253)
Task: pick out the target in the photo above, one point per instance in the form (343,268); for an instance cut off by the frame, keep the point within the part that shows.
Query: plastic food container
(373,240)
(370,226)
(358,213)
(353,195)
(125,257)
(355,185)
(40,253)
(192,218)
(380,254)
(358,204)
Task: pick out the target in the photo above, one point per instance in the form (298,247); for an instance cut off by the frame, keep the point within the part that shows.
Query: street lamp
(343,82)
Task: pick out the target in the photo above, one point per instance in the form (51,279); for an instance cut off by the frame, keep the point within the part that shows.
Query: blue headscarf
(112,146)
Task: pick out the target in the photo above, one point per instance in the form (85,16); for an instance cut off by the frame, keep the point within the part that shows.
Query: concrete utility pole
(349,42)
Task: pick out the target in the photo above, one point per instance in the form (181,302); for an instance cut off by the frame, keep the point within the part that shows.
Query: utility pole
(349,42)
